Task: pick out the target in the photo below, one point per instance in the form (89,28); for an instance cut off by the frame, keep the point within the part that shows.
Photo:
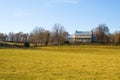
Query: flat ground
(61,63)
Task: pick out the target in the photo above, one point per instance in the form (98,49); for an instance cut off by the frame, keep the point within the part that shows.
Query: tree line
(103,35)
(38,36)
(58,36)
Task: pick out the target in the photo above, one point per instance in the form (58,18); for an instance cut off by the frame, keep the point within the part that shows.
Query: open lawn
(61,63)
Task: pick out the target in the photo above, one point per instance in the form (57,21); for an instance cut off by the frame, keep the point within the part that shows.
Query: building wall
(81,36)
(83,40)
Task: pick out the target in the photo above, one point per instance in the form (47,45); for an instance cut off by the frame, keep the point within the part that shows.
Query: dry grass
(61,63)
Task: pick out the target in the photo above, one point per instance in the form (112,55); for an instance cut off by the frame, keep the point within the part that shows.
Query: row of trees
(58,36)
(38,36)
(41,36)
(102,35)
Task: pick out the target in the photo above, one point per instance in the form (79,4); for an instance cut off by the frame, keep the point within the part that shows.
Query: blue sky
(25,15)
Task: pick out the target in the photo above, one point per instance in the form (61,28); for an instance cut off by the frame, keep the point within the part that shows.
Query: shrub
(27,44)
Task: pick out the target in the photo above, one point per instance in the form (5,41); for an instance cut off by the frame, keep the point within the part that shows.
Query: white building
(81,36)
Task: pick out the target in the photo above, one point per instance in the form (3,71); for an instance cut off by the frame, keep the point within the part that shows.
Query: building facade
(81,37)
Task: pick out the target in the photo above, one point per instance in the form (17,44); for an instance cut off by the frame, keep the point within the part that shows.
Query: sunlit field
(61,63)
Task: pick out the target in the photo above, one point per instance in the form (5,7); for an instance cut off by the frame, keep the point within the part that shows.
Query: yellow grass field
(61,63)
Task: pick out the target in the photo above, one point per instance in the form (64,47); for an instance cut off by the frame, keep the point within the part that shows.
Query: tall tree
(2,37)
(45,37)
(117,37)
(59,34)
(36,35)
(101,32)
(11,37)
(19,37)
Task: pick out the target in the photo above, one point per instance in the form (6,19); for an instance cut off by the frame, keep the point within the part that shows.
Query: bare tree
(58,34)
(45,37)
(117,37)
(19,37)
(2,37)
(36,36)
(101,32)
(11,37)
(26,37)
(111,38)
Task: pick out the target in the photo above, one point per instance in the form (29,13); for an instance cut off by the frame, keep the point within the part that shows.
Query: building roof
(71,36)
(83,33)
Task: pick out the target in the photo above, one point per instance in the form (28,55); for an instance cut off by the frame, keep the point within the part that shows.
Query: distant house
(81,37)
(71,38)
